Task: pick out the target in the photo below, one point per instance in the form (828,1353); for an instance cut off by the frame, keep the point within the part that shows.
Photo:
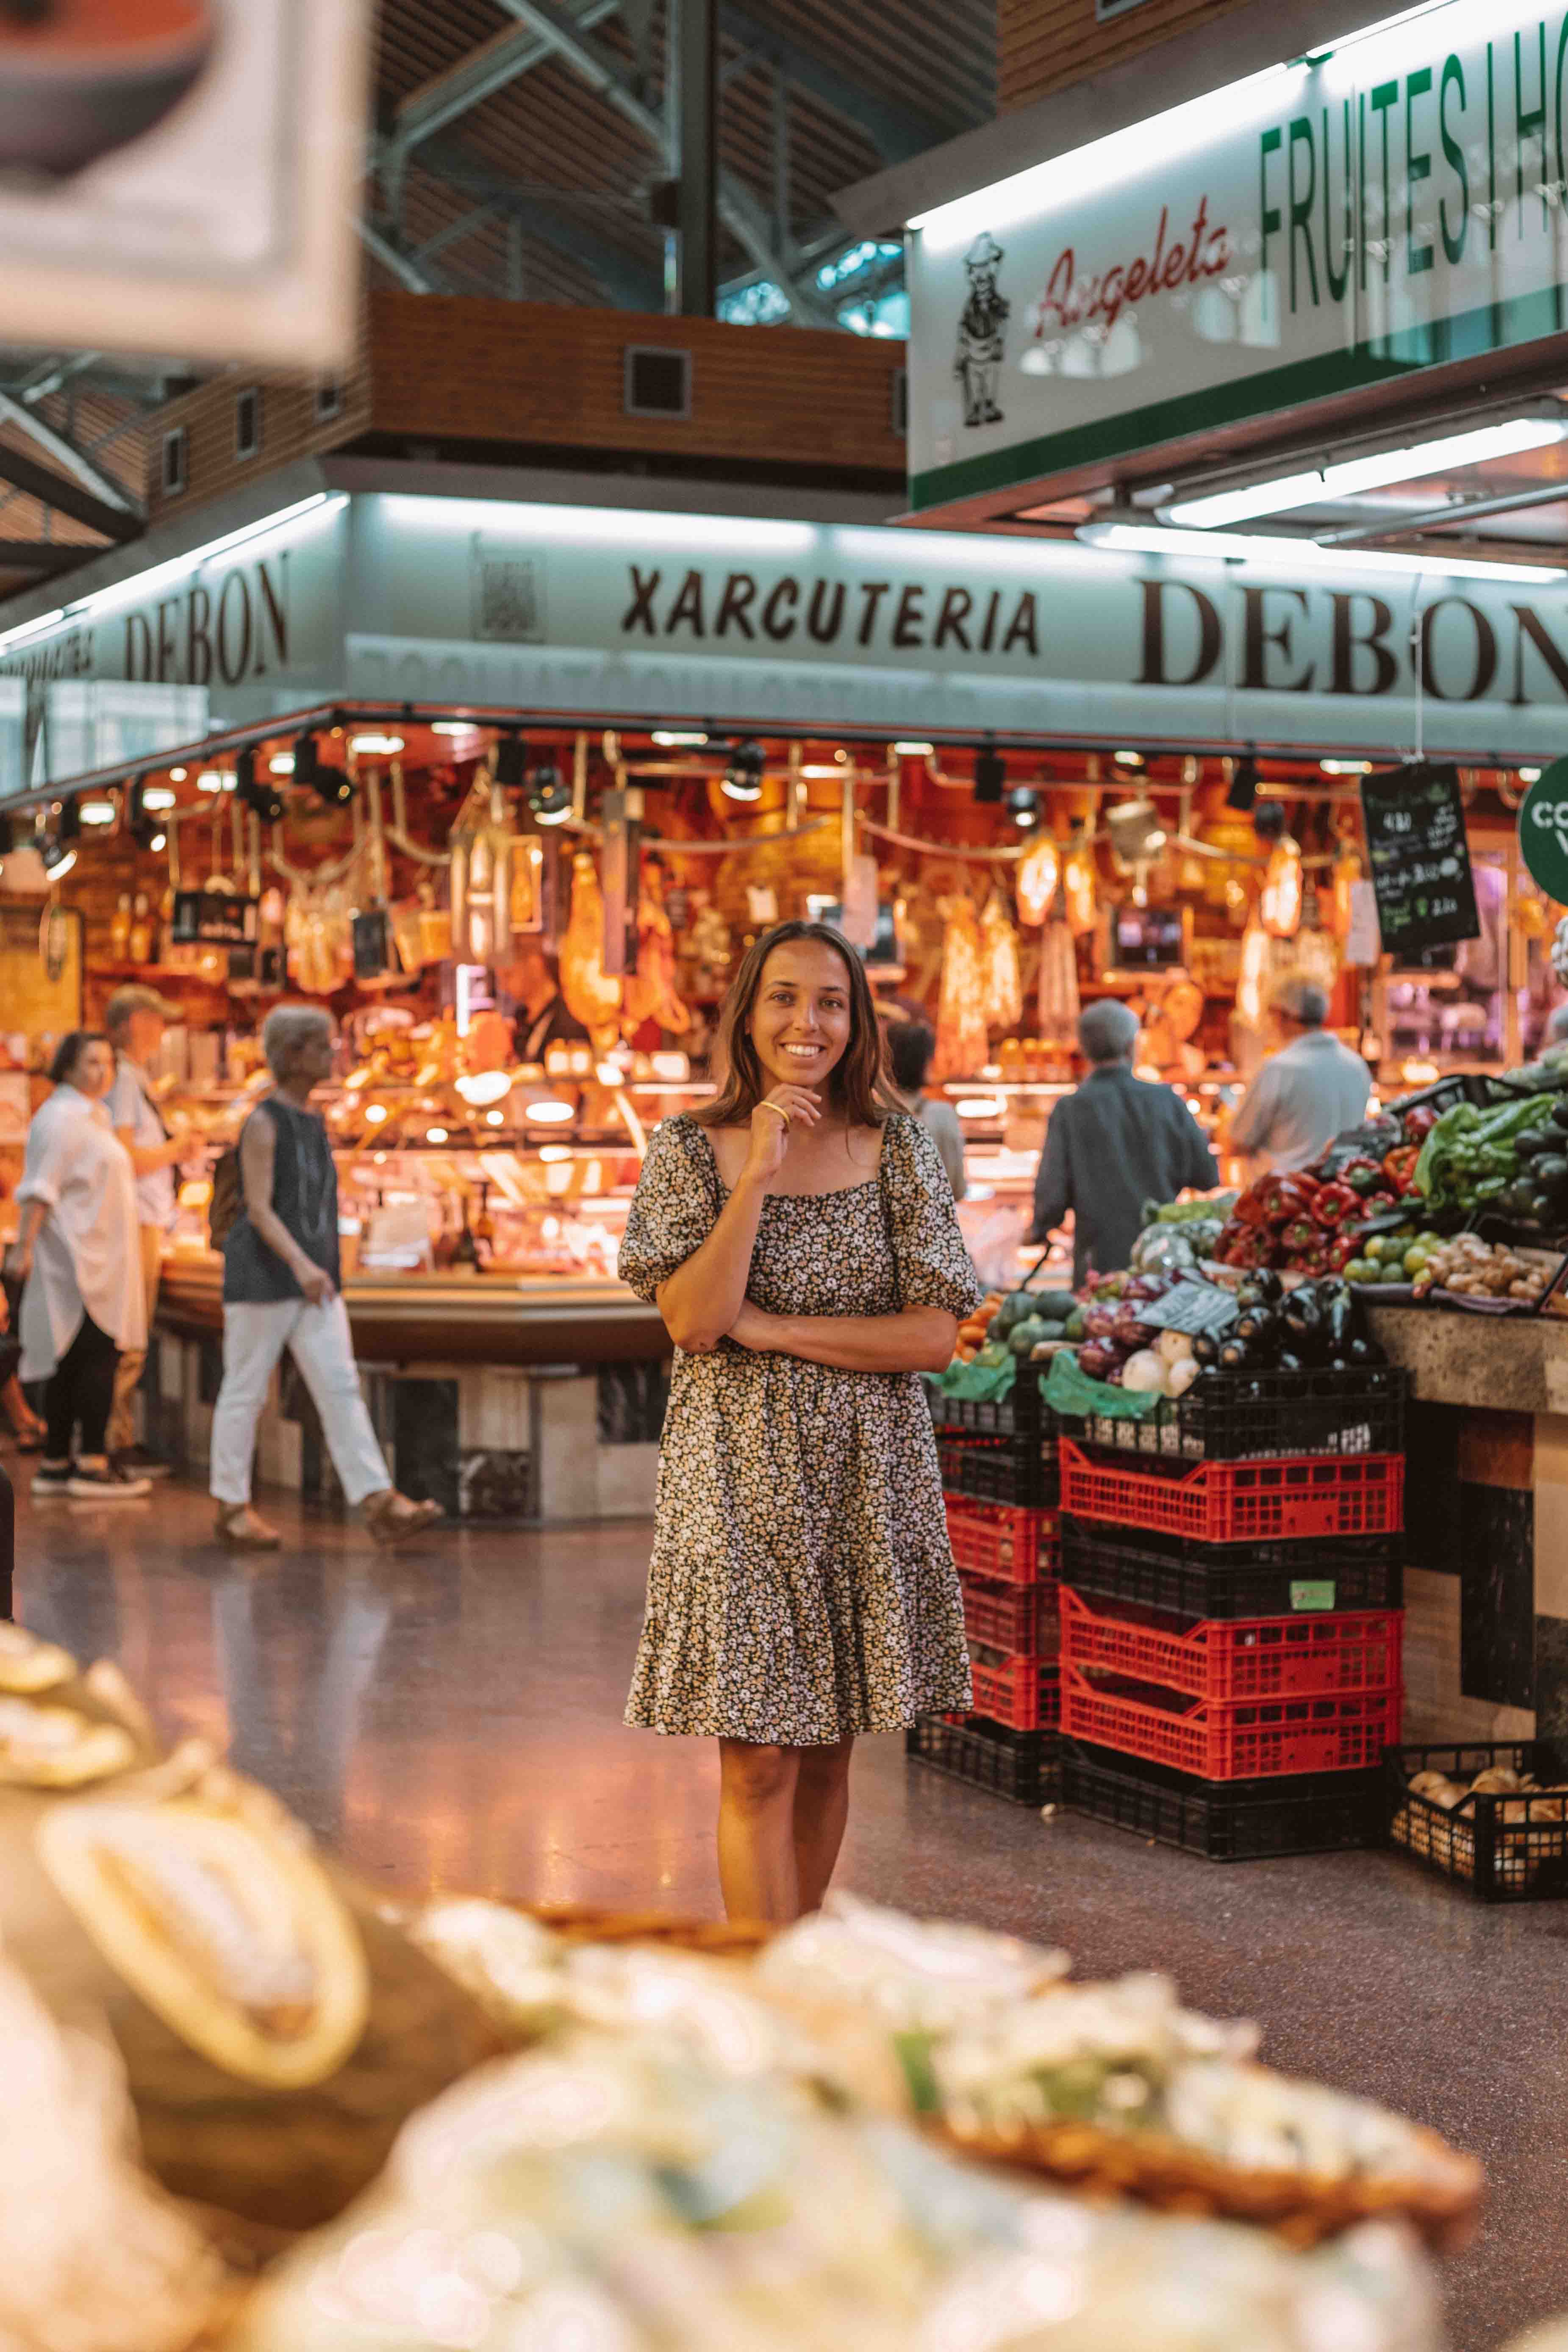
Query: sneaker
(107,1485)
(50,1481)
(140,1462)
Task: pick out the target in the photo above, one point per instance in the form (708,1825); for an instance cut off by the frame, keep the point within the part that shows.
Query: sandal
(391,1517)
(29,1440)
(238,1527)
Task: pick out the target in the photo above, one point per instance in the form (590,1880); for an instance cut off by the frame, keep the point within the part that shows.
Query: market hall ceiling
(515,145)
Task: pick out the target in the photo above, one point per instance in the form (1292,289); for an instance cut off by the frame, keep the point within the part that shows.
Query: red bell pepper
(1255,1248)
(1342,1248)
(1419,1123)
(1251,1209)
(1318,1260)
(1299,1236)
(1361,1174)
(1399,1166)
(1377,1203)
(1334,1203)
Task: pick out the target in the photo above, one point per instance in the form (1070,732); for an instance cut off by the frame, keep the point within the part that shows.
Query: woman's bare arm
(918,1339)
(700,1301)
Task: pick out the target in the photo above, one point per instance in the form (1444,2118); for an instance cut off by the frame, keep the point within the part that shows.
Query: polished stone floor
(451,1718)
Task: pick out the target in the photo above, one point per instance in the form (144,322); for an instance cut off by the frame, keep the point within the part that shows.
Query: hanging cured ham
(1039,870)
(1059,982)
(999,962)
(649,992)
(1078,888)
(590,991)
(1279,907)
(961,1039)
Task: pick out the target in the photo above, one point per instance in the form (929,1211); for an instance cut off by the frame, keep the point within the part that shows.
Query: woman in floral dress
(802,1246)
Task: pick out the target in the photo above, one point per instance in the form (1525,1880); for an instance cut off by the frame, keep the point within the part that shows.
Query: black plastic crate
(1021,1766)
(1194,1581)
(1020,1470)
(1225,1821)
(1022,1413)
(1246,1416)
(1500,1849)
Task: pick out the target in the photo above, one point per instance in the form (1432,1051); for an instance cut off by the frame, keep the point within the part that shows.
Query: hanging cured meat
(961,1038)
(590,991)
(999,964)
(1279,907)
(649,992)
(1078,889)
(1039,870)
(1059,982)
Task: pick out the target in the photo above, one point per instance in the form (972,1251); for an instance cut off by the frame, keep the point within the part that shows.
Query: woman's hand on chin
(754,1329)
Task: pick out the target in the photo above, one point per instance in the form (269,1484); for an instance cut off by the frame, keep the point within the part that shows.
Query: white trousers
(254,1338)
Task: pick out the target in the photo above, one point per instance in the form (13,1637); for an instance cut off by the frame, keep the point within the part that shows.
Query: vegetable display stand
(1225,1662)
(1194,1581)
(1225,1821)
(1020,1766)
(1251,1742)
(1004,1616)
(1509,1848)
(1021,1691)
(1294,1499)
(999,1541)
(1017,1470)
(1232,1417)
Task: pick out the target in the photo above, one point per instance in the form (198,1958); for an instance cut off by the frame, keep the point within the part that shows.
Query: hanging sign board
(218,918)
(1420,857)
(1543,831)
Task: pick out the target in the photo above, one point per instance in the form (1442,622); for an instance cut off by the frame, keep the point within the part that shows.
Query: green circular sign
(1543,831)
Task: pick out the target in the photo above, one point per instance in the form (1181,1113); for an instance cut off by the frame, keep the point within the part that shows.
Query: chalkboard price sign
(1420,857)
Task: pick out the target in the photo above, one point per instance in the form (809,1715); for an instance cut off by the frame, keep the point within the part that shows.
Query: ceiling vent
(657,383)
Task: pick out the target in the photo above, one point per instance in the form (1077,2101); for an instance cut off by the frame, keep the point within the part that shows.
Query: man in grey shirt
(1113,1144)
(1311,1091)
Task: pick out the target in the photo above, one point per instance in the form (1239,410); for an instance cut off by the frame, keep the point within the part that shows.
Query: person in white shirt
(76,1256)
(1308,1092)
(135,1018)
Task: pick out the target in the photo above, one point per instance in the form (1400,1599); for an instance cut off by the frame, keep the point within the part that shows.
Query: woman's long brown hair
(856,1084)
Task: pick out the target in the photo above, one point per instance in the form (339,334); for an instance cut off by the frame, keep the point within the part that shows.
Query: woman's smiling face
(800,1020)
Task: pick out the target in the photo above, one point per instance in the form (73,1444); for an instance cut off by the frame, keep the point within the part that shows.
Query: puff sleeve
(675,1209)
(934,1267)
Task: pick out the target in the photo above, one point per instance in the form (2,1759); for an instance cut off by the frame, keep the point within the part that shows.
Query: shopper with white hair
(1113,1144)
(280,1290)
(1309,1091)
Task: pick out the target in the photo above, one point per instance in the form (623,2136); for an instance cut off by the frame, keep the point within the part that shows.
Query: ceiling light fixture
(1242,795)
(370,746)
(1528,775)
(178,775)
(263,800)
(1279,553)
(282,763)
(454,727)
(990,772)
(914,750)
(58,859)
(331,785)
(675,739)
(1345,767)
(510,761)
(158,796)
(69,826)
(1024,805)
(743,776)
(549,794)
(215,779)
(159,841)
(1350,477)
(1128,759)
(99,811)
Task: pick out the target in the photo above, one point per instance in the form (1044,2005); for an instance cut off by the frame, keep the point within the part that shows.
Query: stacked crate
(999,1475)
(1231,1627)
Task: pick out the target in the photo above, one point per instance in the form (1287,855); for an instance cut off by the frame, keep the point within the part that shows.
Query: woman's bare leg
(756,1831)
(821,1810)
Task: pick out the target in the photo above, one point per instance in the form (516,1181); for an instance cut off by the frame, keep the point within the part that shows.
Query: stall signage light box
(636,616)
(1389,205)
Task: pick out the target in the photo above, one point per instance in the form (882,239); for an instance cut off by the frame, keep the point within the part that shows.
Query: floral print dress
(802,1587)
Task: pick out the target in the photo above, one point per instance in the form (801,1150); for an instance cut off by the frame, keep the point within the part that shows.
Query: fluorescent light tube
(1355,475)
(1299,554)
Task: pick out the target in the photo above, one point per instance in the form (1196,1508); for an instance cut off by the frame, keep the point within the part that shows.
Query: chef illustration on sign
(982,332)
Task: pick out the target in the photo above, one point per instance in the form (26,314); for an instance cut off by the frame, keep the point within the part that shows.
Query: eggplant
(1560,1111)
(1235,1356)
(1269,1284)
(1205,1348)
(1258,1326)
(1340,1322)
(1290,1363)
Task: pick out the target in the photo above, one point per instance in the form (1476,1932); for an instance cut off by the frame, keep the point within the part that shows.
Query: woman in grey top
(910,1045)
(280,1290)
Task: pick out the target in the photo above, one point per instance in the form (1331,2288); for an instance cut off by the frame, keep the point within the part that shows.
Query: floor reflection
(295,1667)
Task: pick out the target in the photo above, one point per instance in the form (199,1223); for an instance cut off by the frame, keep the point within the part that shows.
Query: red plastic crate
(1019,1692)
(1243,1657)
(1001,1541)
(1011,1616)
(1253,1742)
(1305,1497)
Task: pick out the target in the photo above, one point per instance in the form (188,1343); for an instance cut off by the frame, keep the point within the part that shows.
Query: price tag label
(1194,1307)
(1312,1595)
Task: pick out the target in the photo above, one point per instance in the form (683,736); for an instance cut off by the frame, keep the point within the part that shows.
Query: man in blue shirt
(1113,1144)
